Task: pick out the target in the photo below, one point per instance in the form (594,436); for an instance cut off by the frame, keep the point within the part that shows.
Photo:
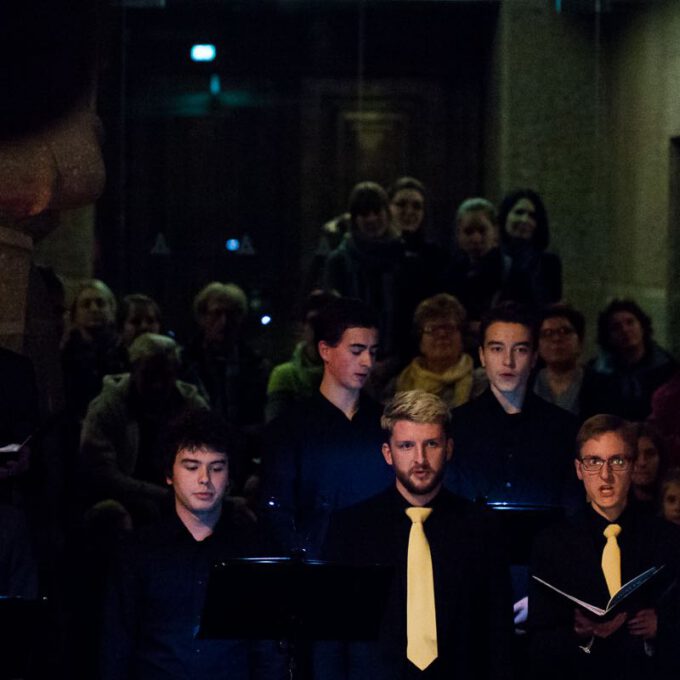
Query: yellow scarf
(453,385)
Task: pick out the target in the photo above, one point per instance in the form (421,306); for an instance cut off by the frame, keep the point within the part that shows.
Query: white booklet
(627,589)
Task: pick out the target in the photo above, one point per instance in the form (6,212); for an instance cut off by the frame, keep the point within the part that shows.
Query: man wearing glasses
(590,556)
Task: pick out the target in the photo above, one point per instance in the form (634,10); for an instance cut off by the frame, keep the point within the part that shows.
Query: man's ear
(323,347)
(481,357)
(387,453)
(535,359)
(449,448)
(579,472)
(168,480)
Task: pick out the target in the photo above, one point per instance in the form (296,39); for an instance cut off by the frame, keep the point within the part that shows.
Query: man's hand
(521,609)
(644,624)
(585,627)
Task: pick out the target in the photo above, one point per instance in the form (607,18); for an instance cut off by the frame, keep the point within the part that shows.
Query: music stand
(521,523)
(295,600)
(22,622)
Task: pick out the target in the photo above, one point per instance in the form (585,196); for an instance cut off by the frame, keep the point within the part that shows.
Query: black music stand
(22,622)
(521,523)
(294,600)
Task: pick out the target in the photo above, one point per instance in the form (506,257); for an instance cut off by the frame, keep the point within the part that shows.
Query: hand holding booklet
(633,586)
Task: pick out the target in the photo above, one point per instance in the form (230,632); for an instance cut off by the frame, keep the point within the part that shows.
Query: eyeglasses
(560,332)
(615,463)
(433,328)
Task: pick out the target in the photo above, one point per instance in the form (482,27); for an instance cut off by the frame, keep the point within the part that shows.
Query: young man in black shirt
(158,584)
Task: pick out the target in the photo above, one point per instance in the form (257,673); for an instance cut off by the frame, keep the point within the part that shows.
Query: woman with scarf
(442,367)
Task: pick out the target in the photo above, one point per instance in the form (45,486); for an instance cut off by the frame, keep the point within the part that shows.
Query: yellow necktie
(611,559)
(421,620)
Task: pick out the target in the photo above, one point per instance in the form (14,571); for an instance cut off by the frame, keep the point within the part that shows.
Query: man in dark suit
(472,617)
(590,556)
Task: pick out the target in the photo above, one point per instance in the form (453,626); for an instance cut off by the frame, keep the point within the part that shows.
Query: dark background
(315,96)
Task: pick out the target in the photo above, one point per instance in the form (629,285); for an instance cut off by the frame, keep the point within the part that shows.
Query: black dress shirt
(154,604)
(569,556)
(471,581)
(524,458)
(318,461)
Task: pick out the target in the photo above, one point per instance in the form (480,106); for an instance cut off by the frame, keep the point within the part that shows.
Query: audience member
(447,616)
(424,259)
(479,269)
(670,496)
(511,445)
(633,364)
(369,264)
(120,445)
(300,377)
(564,381)
(138,314)
(664,416)
(650,465)
(89,352)
(535,275)
(441,368)
(584,558)
(323,454)
(407,208)
(158,583)
(229,374)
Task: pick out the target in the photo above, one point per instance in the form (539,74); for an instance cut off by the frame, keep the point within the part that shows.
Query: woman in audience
(478,270)
(649,465)
(442,367)
(369,264)
(536,275)
(90,350)
(424,261)
(138,314)
(664,416)
(407,207)
(670,496)
(564,381)
(631,362)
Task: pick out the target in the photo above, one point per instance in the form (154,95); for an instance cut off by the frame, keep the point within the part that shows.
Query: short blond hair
(416,406)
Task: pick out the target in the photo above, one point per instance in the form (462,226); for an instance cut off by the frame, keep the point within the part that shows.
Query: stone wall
(584,108)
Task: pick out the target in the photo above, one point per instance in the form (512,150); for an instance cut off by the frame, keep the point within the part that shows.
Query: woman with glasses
(423,260)
(563,380)
(441,367)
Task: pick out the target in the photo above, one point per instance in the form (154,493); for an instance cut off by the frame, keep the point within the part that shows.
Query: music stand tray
(294,599)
